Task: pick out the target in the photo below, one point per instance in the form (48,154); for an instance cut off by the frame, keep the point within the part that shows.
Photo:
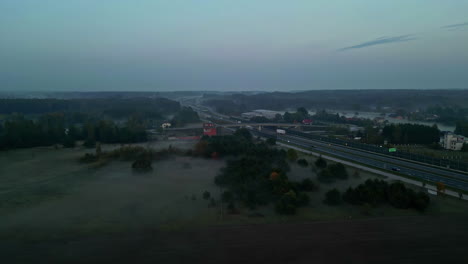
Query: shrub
(321,163)
(69,142)
(89,143)
(302,199)
(89,158)
(421,201)
(307,185)
(227,197)
(303,162)
(271,141)
(325,176)
(399,196)
(292,155)
(338,171)
(206,195)
(375,192)
(142,165)
(286,204)
(333,197)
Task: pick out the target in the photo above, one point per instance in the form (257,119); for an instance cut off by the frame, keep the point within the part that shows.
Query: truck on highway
(281,131)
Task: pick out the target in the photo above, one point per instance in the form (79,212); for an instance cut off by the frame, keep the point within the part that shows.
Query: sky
(235,45)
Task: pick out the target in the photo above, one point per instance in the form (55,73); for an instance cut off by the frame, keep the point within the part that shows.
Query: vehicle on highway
(395,169)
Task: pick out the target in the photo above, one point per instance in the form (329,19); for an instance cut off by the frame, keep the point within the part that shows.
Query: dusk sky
(151,45)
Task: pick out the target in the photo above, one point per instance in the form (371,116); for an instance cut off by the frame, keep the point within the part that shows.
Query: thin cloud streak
(455,26)
(381,41)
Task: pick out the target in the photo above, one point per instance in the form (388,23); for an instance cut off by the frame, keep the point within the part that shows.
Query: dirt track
(385,240)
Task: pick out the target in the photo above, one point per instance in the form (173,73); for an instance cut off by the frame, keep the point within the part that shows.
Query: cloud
(456,26)
(381,41)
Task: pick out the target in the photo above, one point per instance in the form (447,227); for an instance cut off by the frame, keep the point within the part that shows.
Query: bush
(376,192)
(338,171)
(302,199)
(142,165)
(333,197)
(292,154)
(325,176)
(271,141)
(321,163)
(89,158)
(307,185)
(227,197)
(287,204)
(212,202)
(420,201)
(399,196)
(88,143)
(303,162)
(69,142)
(206,195)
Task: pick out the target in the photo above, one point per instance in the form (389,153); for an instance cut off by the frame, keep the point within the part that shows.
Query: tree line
(411,134)
(51,129)
(255,174)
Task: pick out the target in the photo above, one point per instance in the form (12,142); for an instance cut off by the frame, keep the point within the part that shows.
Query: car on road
(395,169)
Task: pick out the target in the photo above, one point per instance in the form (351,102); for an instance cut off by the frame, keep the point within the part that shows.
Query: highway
(405,168)
(413,170)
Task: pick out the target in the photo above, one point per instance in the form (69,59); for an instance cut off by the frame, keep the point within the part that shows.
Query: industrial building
(261,112)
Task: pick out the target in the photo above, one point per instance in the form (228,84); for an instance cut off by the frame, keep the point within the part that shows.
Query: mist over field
(225,131)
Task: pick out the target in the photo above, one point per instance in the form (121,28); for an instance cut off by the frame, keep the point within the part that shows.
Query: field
(49,201)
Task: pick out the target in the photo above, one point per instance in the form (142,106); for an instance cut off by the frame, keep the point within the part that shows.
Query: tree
(292,154)
(287,203)
(333,197)
(271,141)
(462,128)
(302,111)
(98,149)
(325,176)
(399,196)
(307,185)
(243,133)
(303,162)
(321,163)
(69,142)
(356,174)
(227,197)
(338,170)
(464,148)
(206,195)
(278,117)
(142,164)
(440,188)
(421,201)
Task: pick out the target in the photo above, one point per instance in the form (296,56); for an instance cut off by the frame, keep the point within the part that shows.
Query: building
(261,113)
(452,142)
(249,115)
(307,121)
(166,125)
(209,129)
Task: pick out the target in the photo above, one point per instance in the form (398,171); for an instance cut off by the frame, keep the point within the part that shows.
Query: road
(392,165)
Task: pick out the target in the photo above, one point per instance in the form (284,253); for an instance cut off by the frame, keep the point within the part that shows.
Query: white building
(261,112)
(166,125)
(452,141)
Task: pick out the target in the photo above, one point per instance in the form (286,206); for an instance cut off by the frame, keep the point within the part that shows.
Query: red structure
(209,129)
(307,121)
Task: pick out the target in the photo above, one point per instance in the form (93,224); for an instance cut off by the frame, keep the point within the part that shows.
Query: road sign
(392,150)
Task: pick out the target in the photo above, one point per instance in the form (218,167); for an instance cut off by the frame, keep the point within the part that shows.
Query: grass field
(48,197)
